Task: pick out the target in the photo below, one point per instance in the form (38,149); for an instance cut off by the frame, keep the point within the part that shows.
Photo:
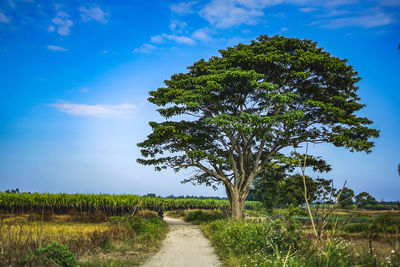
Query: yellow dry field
(18,233)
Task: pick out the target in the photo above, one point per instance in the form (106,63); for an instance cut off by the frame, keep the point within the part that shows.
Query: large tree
(230,117)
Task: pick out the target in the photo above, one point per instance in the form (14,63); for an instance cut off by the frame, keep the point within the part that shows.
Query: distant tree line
(16,190)
(277,190)
(187,196)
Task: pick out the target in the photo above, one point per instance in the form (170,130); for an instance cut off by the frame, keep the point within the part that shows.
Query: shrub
(203,216)
(147,229)
(54,254)
(251,239)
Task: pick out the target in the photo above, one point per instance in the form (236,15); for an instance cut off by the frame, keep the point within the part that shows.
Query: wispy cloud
(4,18)
(56,48)
(97,110)
(145,49)
(202,35)
(180,39)
(284,29)
(12,4)
(94,12)
(78,90)
(177,26)
(183,7)
(224,14)
(365,21)
(258,3)
(323,3)
(307,9)
(62,23)
(157,39)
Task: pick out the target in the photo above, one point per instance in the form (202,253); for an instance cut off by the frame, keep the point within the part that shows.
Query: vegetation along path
(185,246)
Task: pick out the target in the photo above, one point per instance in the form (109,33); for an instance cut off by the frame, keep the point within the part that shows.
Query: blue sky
(75,75)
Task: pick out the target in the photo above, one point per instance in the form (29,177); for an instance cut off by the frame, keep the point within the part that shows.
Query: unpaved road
(184,246)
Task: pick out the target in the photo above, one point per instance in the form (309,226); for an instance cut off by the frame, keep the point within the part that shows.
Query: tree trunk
(237,205)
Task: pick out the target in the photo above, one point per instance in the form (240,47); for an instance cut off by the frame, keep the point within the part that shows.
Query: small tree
(363,199)
(230,117)
(281,185)
(346,197)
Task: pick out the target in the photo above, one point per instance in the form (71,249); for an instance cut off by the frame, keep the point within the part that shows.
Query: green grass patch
(200,216)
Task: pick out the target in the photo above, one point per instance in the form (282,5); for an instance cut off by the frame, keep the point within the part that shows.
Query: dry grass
(89,241)
(18,236)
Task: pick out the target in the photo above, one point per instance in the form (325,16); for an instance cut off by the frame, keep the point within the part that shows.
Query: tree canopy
(230,118)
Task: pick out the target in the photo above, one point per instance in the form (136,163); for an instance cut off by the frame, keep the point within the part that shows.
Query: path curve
(184,246)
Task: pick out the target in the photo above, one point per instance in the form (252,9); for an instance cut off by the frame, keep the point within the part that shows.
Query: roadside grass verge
(119,241)
(283,243)
(144,237)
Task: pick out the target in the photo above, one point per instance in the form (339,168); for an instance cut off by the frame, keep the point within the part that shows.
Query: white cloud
(145,49)
(224,14)
(93,13)
(180,39)
(307,9)
(335,13)
(201,35)
(183,8)
(284,29)
(4,18)
(97,110)
(177,25)
(258,3)
(51,28)
(62,22)
(157,39)
(366,21)
(56,48)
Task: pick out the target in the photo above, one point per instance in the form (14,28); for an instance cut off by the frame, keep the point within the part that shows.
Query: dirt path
(184,246)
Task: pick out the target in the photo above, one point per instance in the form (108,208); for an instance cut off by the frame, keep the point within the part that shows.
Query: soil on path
(184,246)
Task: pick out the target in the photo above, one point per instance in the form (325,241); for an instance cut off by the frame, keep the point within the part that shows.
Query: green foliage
(276,189)
(346,197)
(363,199)
(250,237)
(201,216)
(54,254)
(253,242)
